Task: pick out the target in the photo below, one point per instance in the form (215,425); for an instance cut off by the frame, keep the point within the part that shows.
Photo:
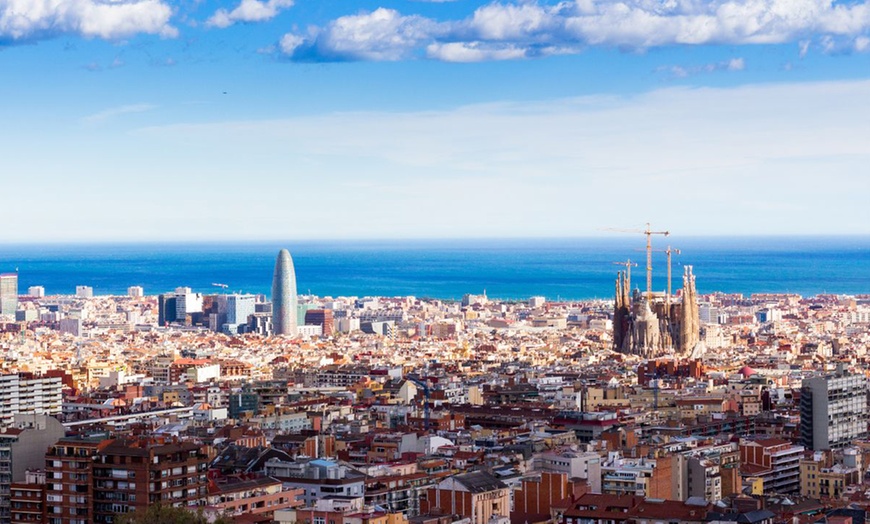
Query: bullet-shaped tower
(284,295)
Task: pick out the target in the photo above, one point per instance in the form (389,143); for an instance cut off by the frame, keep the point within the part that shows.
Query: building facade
(8,293)
(284,295)
(834,410)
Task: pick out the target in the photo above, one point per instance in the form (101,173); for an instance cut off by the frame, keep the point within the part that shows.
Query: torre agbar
(284,295)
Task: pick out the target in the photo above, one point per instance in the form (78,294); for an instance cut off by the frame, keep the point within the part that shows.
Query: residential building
(251,496)
(821,479)
(834,410)
(775,462)
(477,496)
(69,483)
(318,478)
(28,499)
(22,448)
(129,474)
(29,394)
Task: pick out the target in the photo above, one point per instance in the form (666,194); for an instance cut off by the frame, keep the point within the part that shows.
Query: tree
(161,514)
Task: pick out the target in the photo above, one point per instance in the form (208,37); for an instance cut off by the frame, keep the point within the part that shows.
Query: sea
(558,269)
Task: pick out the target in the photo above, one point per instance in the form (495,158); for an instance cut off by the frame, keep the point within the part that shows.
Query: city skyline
(390,119)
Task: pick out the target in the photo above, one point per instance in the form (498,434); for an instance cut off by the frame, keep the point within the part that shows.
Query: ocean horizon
(557,268)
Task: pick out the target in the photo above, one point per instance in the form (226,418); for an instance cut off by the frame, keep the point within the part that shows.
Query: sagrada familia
(651,325)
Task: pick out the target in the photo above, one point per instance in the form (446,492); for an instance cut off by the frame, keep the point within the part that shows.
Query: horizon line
(315,240)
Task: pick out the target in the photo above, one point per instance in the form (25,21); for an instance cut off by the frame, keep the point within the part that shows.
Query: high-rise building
(134,474)
(94,480)
(29,394)
(165,309)
(22,448)
(8,293)
(239,308)
(834,410)
(36,291)
(69,484)
(135,291)
(322,318)
(84,292)
(186,304)
(284,295)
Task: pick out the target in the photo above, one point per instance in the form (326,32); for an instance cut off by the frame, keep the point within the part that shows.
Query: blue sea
(579,268)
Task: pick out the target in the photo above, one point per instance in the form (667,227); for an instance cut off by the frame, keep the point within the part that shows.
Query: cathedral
(656,325)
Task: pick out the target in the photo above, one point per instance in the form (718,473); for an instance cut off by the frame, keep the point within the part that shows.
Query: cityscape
(650,406)
(434,262)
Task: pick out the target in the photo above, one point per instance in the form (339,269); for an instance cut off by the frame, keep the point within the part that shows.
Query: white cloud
(681,156)
(290,42)
(679,71)
(383,34)
(512,22)
(108,114)
(528,27)
(249,11)
(22,20)
(736,64)
(472,52)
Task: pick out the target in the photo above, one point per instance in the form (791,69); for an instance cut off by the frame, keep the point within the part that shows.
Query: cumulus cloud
(248,11)
(383,34)
(502,31)
(23,20)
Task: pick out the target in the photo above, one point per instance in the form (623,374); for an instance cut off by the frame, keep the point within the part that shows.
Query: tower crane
(628,265)
(426,393)
(669,251)
(649,233)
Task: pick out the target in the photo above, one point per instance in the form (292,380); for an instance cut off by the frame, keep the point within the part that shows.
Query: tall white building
(187,303)
(36,291)
(25,393)
(84,292)
(135,291)
(8,293)
(239,308)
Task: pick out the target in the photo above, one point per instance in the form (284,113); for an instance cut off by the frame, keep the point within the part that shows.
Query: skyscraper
(284,295)
(8,293)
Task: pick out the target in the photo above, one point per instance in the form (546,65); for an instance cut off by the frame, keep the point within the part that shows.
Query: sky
(178,120)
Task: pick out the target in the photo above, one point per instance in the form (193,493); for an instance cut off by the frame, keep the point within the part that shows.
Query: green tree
(160,514)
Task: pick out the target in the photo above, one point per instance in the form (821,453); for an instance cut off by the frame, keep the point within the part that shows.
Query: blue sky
(298,119)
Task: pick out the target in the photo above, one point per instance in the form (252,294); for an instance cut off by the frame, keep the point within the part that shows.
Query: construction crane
(669,251)
(649,233)
(628,265)
(426,392)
